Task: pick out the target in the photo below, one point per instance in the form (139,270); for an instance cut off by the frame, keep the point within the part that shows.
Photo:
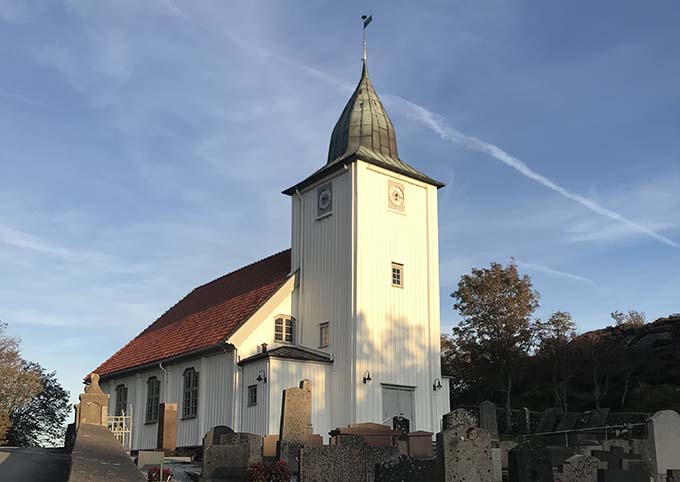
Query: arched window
(284,329)
(153,395)
(190,406)
(121,400)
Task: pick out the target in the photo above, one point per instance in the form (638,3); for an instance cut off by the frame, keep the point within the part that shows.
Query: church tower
(365,253)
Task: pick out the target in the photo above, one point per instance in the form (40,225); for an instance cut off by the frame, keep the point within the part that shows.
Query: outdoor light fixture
(437,384)
(261,376)
(367,377)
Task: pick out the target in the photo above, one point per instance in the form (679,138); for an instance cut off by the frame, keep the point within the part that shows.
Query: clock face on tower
(395,195)
(324,199)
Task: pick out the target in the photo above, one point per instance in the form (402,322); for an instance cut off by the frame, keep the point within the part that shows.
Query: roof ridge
(241,269)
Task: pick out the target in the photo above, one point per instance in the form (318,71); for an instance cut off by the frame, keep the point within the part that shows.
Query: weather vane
(366,19)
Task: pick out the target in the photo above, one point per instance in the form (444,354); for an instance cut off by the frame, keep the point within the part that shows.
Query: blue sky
(145,145)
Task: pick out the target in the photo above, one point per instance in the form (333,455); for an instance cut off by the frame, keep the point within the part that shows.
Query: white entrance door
(397,401)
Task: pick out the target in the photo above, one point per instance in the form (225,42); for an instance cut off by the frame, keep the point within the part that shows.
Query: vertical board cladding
(143,434)
(287,374)
(254,416)
(214,401)
(324,248)
(397,327)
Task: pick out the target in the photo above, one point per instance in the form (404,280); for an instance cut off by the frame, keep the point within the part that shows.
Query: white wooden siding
(214,400)
(323,254)
(287,374)
(254,418)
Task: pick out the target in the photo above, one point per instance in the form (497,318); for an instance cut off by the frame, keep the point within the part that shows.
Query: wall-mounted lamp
(261,376)
(367,377)
(437,384)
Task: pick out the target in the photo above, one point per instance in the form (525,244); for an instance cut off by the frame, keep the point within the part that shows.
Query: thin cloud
(438,124)
(20,239)
(18,98)
(551,271)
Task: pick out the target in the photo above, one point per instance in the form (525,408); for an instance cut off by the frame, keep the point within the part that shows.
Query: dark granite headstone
(457,416)
(530,462)
(401,424)
(614,457)
(606,475)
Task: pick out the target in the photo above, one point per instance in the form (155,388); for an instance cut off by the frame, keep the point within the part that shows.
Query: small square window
(252,395)
(324,335)
(397,275)
(284,330)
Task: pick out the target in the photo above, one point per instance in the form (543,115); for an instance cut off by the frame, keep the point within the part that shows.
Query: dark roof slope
(291,352)
(205,317)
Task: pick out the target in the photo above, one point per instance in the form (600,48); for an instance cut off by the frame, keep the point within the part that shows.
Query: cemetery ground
(472,446)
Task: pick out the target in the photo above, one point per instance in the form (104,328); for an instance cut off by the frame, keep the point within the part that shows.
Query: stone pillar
(167,427)
(94,404)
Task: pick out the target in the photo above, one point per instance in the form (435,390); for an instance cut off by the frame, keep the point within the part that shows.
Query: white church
(353,307)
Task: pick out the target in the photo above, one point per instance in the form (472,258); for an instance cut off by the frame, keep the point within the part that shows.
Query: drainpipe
(165,381)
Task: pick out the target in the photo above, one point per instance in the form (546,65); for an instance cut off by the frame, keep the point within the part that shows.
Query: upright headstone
(464,452)
(673,475)
(401,424)
(229,460)
(296,424)
(407,469)
(549,420)
(664,436)
(579,468)
(214,435)
(349,460)
(167,428)
(458,416)
(488,420)
(530,462)
(420,445)
(296,412)
(374,434)
(93,406)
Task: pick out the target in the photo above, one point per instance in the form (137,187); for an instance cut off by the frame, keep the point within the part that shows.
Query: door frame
(405,388)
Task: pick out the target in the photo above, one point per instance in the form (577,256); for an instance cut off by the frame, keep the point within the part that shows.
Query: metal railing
(617,431)
(121,428)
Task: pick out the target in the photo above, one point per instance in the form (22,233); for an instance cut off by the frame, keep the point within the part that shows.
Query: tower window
(252,395)
(398,275)
(284,329)
(324,335)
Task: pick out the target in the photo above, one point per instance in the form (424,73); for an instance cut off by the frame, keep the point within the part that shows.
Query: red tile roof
(205,317)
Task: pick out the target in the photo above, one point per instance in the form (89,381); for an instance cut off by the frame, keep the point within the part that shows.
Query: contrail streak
(439,125)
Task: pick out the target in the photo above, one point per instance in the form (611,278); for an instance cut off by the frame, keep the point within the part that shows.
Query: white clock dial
(324,199)
(396,194)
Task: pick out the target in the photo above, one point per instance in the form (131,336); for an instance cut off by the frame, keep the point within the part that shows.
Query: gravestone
(488,420)
(93,406)
(269,446)
(149,457)
(605,475)
(579,468)
(420,445)
(568,421)
(214,435)
(464,452)
(664,436)
(673,475)
(167,427)
(458,416)
(373,433)
(401,424)
(408,470)
(296,412)
(296,424)
(530,462)
(614,458)
(348,460)
(548,420)
(229,460)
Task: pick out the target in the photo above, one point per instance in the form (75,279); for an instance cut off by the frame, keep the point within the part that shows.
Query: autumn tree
(17,384)
(496,332)
(632,318)
(39,421)
(553,337)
